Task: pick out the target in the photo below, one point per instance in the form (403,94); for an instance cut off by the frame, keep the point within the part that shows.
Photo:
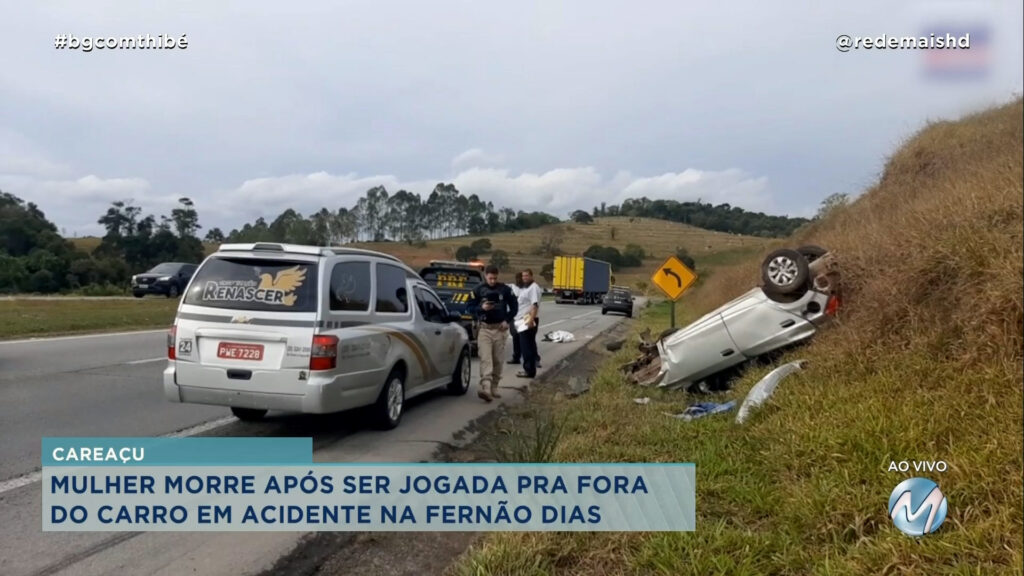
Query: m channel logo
(917,506)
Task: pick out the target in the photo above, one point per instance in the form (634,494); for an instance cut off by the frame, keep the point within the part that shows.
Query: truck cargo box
(580,280)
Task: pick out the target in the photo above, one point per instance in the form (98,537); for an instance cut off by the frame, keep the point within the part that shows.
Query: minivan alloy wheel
(466,374)
(394,398)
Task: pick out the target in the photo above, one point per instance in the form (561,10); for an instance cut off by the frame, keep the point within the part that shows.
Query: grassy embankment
(21,318)
(925,365)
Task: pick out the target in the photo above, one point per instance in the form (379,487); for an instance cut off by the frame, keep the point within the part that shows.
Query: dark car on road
(168,279)
(618,299)
(453,282)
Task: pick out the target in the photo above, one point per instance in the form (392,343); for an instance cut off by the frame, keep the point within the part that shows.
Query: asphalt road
(110,385)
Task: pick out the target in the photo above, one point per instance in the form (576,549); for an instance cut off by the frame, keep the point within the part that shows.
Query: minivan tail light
(171,336)
(324,353)
(832,306)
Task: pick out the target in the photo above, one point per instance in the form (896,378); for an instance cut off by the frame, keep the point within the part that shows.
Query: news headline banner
(272,484)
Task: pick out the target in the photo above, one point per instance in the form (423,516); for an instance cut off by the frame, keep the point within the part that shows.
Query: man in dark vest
(496,307)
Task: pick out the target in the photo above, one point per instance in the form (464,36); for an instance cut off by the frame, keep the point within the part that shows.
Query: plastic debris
(763,389)
(702,409)
(559,336)
(644,400)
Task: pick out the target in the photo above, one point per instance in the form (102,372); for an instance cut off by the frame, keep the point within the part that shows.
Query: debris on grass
(642,401)
(702,409)
(764,388)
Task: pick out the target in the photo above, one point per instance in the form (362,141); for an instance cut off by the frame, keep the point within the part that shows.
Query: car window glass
(255,284)
(392,294)
(452,278)
(436,311)
(350,287)
(165,268)
(421,302)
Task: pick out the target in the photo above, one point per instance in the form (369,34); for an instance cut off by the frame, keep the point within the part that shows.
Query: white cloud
(74,205)
(476,157)
(557,191)
(310,107)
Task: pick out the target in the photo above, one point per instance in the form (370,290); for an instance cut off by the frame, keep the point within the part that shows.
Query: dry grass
(659,238)
(925,365)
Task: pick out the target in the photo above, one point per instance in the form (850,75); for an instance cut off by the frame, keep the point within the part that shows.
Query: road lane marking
(32,477)
(200,428)
(15,483)
(80,337)
(147,360)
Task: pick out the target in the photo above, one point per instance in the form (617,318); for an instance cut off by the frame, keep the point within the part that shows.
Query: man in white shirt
(516,352)
(526,323)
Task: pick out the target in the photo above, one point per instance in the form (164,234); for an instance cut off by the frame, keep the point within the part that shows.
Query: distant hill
(658,238)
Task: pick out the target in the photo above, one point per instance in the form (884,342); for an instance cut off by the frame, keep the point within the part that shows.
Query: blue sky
(532,105)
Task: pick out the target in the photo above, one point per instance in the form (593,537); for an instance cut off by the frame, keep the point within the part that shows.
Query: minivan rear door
(247,323)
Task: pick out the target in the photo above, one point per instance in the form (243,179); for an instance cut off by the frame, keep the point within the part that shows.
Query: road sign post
(673,278)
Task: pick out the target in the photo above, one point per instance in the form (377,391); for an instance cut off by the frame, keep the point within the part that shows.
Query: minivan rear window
(255,284)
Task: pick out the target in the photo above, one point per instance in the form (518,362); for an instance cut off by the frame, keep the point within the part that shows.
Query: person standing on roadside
(527,318)
(496,306)
(516,353)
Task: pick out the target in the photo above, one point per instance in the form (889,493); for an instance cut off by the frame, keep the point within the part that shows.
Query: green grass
(802,487)
(923,365)
(20,318)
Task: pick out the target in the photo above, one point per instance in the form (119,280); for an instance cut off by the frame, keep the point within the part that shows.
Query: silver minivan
(311,329)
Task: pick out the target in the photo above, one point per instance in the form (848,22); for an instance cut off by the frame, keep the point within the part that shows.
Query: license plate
(235,351)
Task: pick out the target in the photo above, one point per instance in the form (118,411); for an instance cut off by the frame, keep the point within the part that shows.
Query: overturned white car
(799,293)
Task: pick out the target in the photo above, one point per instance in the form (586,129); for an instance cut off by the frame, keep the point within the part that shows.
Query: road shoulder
(495,436)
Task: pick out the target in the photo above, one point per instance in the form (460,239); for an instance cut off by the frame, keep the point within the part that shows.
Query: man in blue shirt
(496,307)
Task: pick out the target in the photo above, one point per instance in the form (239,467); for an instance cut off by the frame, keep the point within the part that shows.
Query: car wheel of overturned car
(811,252)
(785,271)
(248,414)
(388,409)
(462,376)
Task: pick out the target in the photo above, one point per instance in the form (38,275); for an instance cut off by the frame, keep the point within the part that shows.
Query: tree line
(379,216)
(721,218)
(34,257)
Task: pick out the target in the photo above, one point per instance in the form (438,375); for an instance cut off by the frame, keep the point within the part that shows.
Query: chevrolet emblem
(240,320)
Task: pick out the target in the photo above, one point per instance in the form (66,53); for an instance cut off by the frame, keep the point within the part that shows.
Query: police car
(311,329)
(454,282)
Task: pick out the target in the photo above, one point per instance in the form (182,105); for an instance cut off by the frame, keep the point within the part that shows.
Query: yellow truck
(580,280)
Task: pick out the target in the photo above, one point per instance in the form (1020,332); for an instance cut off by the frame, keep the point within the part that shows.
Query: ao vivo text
(918,466)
